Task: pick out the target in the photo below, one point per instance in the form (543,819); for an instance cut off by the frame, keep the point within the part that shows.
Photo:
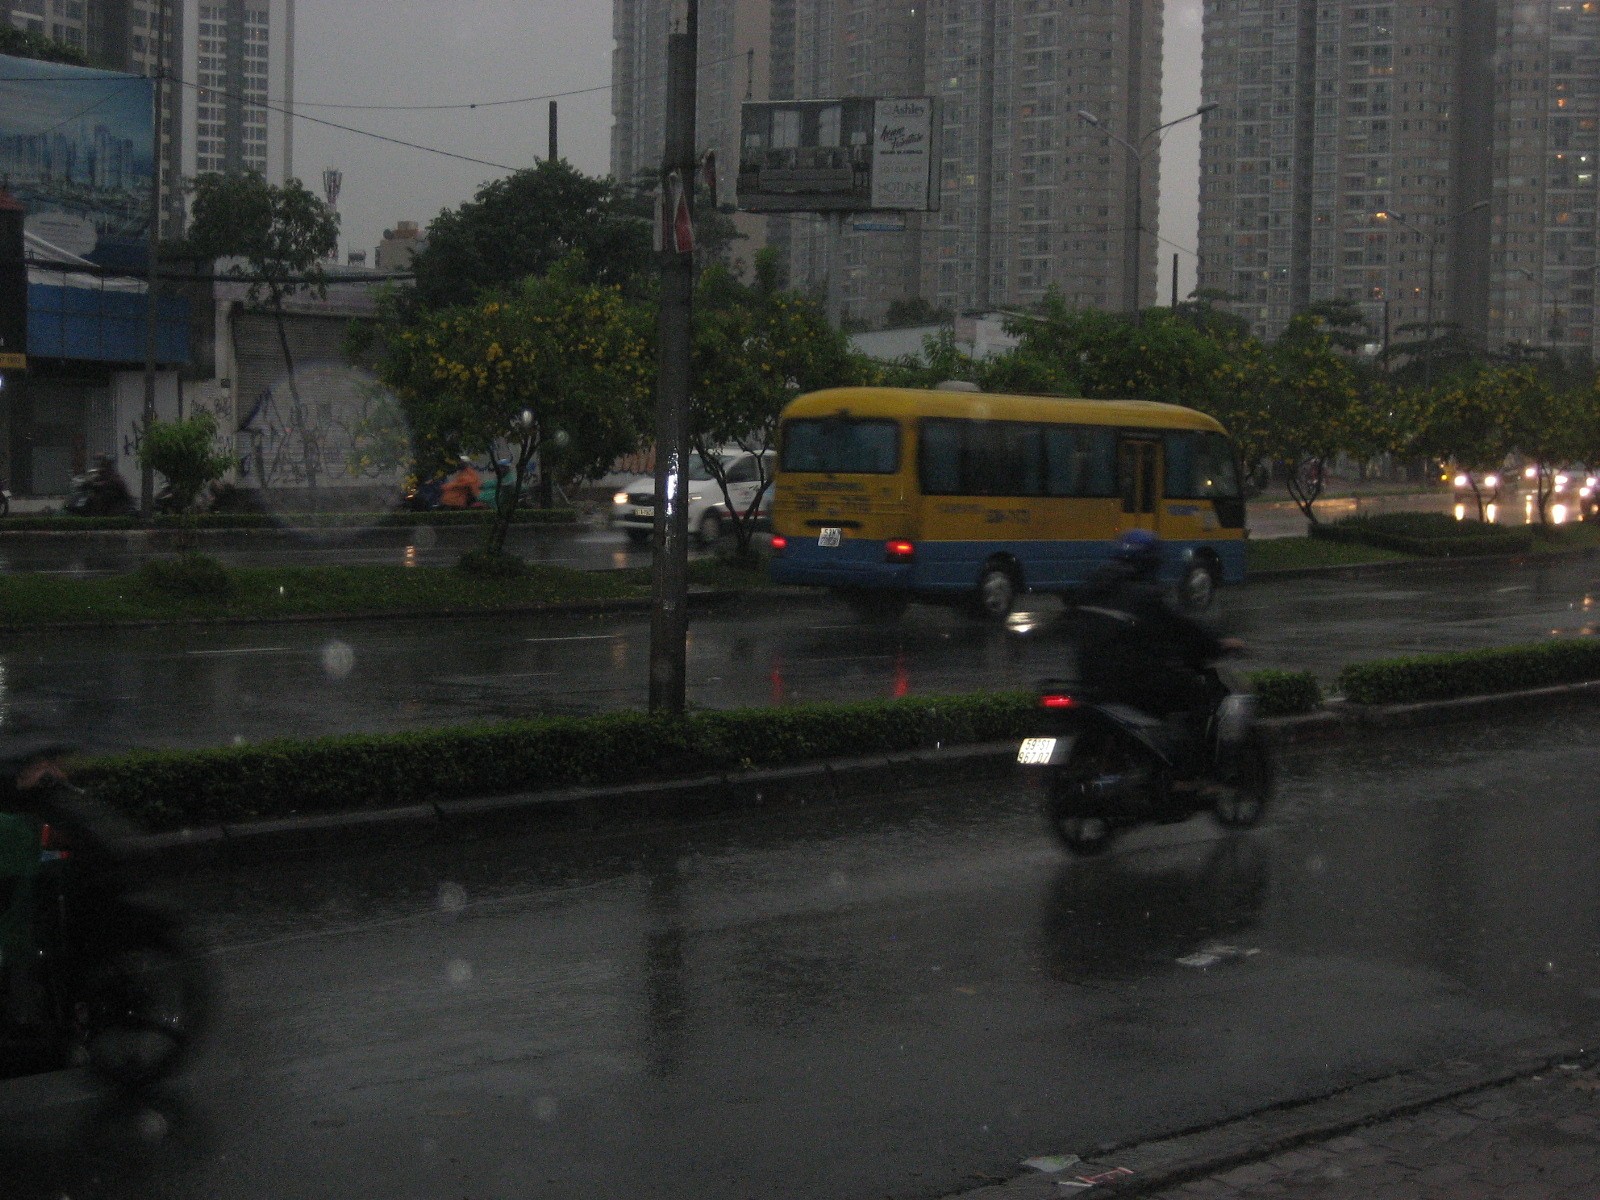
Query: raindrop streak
(338,659)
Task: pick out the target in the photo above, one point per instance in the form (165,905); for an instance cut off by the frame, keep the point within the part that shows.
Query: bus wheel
(1199,586)
(997,593)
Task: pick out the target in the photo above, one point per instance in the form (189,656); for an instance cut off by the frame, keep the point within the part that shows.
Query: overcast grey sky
(472,51)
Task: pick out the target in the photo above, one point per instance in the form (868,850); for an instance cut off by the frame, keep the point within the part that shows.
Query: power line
(289,112)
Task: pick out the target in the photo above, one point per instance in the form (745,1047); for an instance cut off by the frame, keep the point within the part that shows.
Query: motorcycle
(1107,767)
(96,497)
(94,971)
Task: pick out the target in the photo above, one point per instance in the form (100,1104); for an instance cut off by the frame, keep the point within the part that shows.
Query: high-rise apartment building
(1437,163)
(1031,197)
(230,65)
(732,66)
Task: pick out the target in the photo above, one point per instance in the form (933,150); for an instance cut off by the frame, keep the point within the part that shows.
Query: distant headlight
(1491,481)
(1462,481)
(620,498)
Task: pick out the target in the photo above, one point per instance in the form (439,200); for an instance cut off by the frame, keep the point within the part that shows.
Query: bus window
(1200,466)
(1080,461)
(841,446)
(982,458)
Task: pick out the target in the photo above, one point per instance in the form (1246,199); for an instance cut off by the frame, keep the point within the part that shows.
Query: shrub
(1437,535)
(172,789)
(187,575)
(1285,693)
(1471,672)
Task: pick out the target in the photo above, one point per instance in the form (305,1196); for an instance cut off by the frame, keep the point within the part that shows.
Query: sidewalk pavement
(1537,1138)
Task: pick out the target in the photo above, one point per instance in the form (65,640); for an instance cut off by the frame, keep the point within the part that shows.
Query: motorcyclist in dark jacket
(1134,648)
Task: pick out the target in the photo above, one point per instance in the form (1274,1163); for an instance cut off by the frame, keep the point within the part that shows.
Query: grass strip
(28,599)
(1298,553)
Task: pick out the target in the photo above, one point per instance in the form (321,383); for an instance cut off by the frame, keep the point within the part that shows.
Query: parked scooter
(1107,767)
(101,493)
(93,970)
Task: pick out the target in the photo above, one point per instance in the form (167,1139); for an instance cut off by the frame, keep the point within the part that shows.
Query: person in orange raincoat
(461,489)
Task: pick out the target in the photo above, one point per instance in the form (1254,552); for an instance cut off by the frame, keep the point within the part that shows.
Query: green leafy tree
(1467,421)
(756,347)
(1547,424)
(556,369)
(1316,408)
(526,223)
(282,236)
(187,455)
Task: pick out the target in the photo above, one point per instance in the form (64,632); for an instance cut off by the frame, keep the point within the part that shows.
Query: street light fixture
(1137,151)
(1433,246)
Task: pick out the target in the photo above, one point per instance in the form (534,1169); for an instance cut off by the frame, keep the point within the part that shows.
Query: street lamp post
(1137,151)
(1433,246)
(1538,311)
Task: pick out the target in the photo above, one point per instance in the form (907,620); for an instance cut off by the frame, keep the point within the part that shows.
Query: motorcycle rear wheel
(1076,824)
(145,1005)
(1243,797)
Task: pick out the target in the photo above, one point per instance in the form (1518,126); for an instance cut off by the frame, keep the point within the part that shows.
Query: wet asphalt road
(897,999)
(212,686)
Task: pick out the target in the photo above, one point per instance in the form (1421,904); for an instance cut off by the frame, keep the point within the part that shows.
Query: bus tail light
(779,543)
(899,550)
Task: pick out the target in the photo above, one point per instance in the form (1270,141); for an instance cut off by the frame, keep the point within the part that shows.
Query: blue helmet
(1139,548)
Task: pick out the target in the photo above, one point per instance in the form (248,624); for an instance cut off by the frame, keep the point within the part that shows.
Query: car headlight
(1462,481)
(1492,481)
(620,498)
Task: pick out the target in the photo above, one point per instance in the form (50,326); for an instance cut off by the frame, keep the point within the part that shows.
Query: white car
(633,507)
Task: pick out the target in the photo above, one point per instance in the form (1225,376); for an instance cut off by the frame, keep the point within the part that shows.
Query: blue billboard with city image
(77,152)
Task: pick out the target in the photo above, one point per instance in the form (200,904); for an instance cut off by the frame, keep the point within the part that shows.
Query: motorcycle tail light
(1057,700)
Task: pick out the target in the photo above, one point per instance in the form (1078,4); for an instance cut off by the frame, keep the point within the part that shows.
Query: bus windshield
(841,446)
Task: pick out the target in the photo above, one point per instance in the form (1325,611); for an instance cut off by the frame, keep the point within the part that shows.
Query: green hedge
(1435,535)
(1285,693)
(173,789)
(61,523)
(1471,672)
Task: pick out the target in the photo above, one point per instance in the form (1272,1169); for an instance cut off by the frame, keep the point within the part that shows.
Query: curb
(1141,1168)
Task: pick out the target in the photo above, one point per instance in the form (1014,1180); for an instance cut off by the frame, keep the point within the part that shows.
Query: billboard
(858,154)
(77,152)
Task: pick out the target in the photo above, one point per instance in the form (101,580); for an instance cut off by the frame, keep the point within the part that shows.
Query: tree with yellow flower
(555,370)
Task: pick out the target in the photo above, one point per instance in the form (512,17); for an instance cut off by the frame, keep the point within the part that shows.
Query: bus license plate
(1040,752)
(829,539)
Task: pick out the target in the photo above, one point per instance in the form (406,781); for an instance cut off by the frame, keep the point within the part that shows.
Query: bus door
(1139,482)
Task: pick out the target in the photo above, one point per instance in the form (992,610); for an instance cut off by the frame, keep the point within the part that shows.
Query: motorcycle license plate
(1041,752)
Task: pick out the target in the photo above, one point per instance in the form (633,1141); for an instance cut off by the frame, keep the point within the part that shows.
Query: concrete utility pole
(669,617)
(147,481)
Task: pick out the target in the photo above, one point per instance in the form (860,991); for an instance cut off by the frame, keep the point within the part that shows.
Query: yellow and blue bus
(955,495)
